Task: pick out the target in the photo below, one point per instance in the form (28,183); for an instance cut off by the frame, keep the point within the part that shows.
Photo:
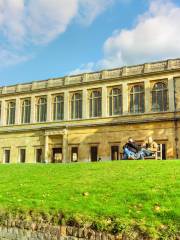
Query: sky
(42,39)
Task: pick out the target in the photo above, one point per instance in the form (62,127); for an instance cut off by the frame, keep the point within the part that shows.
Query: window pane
(42,110)
(26,111)
(95,104)
(159,97)
(137,99)
(59,108)
(76,106)
(11,110)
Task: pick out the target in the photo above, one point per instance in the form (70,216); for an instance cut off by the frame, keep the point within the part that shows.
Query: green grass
(110,196)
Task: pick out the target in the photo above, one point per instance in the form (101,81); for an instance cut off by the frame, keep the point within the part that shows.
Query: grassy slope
(143,192)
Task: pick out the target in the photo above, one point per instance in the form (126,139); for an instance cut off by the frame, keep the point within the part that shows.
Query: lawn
(109,196)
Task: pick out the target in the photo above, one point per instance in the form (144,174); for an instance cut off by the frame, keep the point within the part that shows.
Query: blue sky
(50,38)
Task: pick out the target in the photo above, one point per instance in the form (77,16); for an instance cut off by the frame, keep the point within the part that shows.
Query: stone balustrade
(168,65)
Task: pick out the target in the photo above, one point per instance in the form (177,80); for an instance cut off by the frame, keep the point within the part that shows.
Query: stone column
(18,111)
(65,146)
(171,93)
(46,148)
(85,104)
(104,102)
(66,105)
(49,108)
(147,94)
(125,98)
(33,109)
(3,112)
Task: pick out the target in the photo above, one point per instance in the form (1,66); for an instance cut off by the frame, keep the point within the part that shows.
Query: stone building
(88,117)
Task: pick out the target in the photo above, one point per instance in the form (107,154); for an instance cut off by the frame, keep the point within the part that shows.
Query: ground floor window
(39,155)
(114,152)
(94,153)
(7,154)
(22,155)
(74,154)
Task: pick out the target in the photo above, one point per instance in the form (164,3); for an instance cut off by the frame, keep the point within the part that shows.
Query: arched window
(115,102)
(42,110)
(58,108)
(26,111)
(159,97)
(95,104)
(11,111)
(137,99)
(76,106)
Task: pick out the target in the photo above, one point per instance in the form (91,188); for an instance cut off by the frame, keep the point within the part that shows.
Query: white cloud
(84,68)
(155,36)
(26,23)
(11,20)
(47,19)
(9,57)
(90,9)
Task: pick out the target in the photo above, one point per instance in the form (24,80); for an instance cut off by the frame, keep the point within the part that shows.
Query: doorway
(22,153)
(94,153)
(161,153)
(39,155)
(56,155)
(7,155)
(74,154)
(114,152)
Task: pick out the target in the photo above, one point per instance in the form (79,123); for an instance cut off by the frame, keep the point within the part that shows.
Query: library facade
(89,117)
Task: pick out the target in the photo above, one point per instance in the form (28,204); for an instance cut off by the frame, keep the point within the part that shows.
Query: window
(7,156)
(159,97)
(42,110)
(95,104)
(76,106)
(74,154)
(58,108)
(11,111)
(22,157)
(115,102)
(137,99)
(38,155)
(26,111)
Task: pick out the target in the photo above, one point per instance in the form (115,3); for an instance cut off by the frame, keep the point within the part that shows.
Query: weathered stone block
(69,231)
(63,230)
(98,236)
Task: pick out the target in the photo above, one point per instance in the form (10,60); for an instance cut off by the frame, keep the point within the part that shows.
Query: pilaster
(46,148)
(3,112)
(49,108)
(125,98)
(85,103)
(18,111)
(147,98)
(66,105)
(65,146)
(171,93)
(104,102)
(33,109)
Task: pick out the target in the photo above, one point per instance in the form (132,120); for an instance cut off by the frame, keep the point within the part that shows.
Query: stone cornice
(89,78)
(121,120)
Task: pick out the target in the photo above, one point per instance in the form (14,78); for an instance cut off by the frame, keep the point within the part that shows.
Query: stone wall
(46,232)
(29,230)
